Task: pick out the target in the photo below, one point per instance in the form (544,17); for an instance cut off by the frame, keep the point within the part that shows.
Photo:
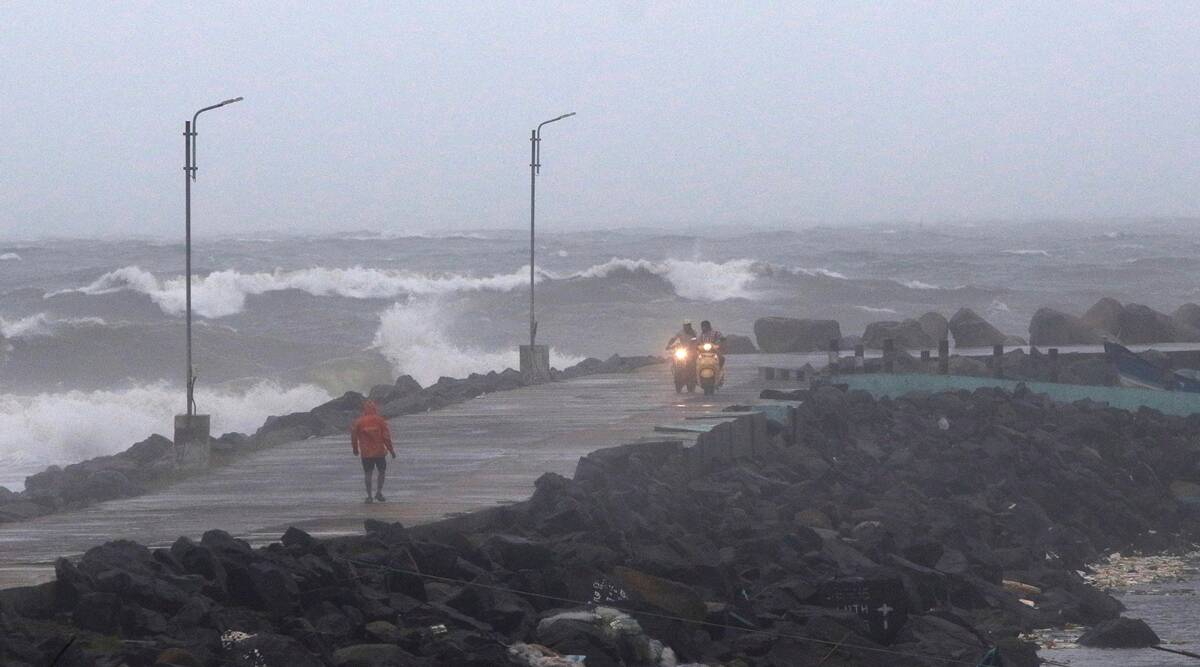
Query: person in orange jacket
(371,437)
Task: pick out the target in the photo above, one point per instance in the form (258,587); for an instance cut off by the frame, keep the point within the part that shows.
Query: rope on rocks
(668,617)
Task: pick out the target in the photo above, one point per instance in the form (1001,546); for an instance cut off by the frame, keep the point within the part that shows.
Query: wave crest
(410,335)
(224,293)
(60,428)
(42,324)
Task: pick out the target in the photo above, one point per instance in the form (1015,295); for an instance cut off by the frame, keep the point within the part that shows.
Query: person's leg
(380,477)
(366,466)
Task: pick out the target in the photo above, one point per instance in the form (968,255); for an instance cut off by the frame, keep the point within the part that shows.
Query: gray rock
(908,335)
(1120,633)
(971,330)
(737,344)
(1139,324)
(265,648)
(1053,327)
(1187,315)
(786,334)
(935,325)
(1104,316)
(373,655)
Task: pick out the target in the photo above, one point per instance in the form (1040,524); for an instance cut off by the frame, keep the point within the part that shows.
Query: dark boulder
(374,655)
(786,334)
(935,325)
(908,335)
(1139,324)
(1120,632)
(1187,315)
(1053,327)
(265,648)
(971,330)
(737,344)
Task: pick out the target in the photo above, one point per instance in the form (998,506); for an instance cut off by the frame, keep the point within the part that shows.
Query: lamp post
(191,429)
(189,175)
(535,361)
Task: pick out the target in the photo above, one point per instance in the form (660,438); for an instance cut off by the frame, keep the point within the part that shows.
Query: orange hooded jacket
(370,435)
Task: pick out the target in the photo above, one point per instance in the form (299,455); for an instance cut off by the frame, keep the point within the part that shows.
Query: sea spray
(411,336)
(60,428)
(223,293)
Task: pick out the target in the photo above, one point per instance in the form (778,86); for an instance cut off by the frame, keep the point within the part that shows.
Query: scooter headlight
(681,353)
(707,347)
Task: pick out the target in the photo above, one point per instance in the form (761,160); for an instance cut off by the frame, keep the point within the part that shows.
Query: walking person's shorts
(375,462)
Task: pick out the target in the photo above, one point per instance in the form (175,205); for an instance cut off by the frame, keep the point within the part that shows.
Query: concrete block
(535,363)
(192,441)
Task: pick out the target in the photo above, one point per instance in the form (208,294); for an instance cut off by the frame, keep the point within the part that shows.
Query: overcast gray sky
(397,116)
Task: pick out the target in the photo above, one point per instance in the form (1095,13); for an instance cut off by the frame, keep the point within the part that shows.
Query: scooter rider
(684,337)
(710,335)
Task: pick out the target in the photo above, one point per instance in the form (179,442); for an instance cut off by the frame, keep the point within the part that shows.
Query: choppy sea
(91,357)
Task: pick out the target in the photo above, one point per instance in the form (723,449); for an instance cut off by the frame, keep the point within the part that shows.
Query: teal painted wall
(1168,402)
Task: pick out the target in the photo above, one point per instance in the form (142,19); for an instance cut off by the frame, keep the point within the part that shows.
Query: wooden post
(997,360)
(944,356)
(860,358)
(1053,364)
(889,349)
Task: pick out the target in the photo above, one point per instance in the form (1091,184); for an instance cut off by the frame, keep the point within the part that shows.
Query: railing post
(997,360)
(889,349)
(1053,364)
(944,356)
(860,358)
(834,355)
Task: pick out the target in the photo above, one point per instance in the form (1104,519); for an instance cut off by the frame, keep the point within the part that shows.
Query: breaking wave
(1042,253)
(411,337)
(917,284)
(224,293)
(10,256)
(60,428)
(42,324)
(871,309)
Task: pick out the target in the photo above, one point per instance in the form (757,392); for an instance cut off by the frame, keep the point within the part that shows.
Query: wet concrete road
(465,457)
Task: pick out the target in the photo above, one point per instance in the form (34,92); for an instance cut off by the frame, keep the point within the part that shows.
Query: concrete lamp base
(535,363)
(192,444)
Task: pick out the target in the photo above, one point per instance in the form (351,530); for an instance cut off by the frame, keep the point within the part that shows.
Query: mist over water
(94,329)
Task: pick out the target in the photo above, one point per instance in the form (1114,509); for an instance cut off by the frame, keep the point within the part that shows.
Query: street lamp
(535,362)
(189,175)
(191,429)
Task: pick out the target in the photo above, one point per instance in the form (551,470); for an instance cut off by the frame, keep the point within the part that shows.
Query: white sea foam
(411,336)
(1043,253)
(224,293)
(42,324)
(10,257)
(870,309)
(62,428)
(998,306)
(917,284)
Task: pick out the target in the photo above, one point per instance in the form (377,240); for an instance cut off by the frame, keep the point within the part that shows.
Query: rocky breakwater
(1128,323)
(151,464)
(854,531)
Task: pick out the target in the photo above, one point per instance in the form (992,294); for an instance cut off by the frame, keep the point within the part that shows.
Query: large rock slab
(737,344)
(1187,315)
(935,325)
(786,334)
(908,335)
(1140,324)
(971,330)
(1120,633)
(1054,327)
